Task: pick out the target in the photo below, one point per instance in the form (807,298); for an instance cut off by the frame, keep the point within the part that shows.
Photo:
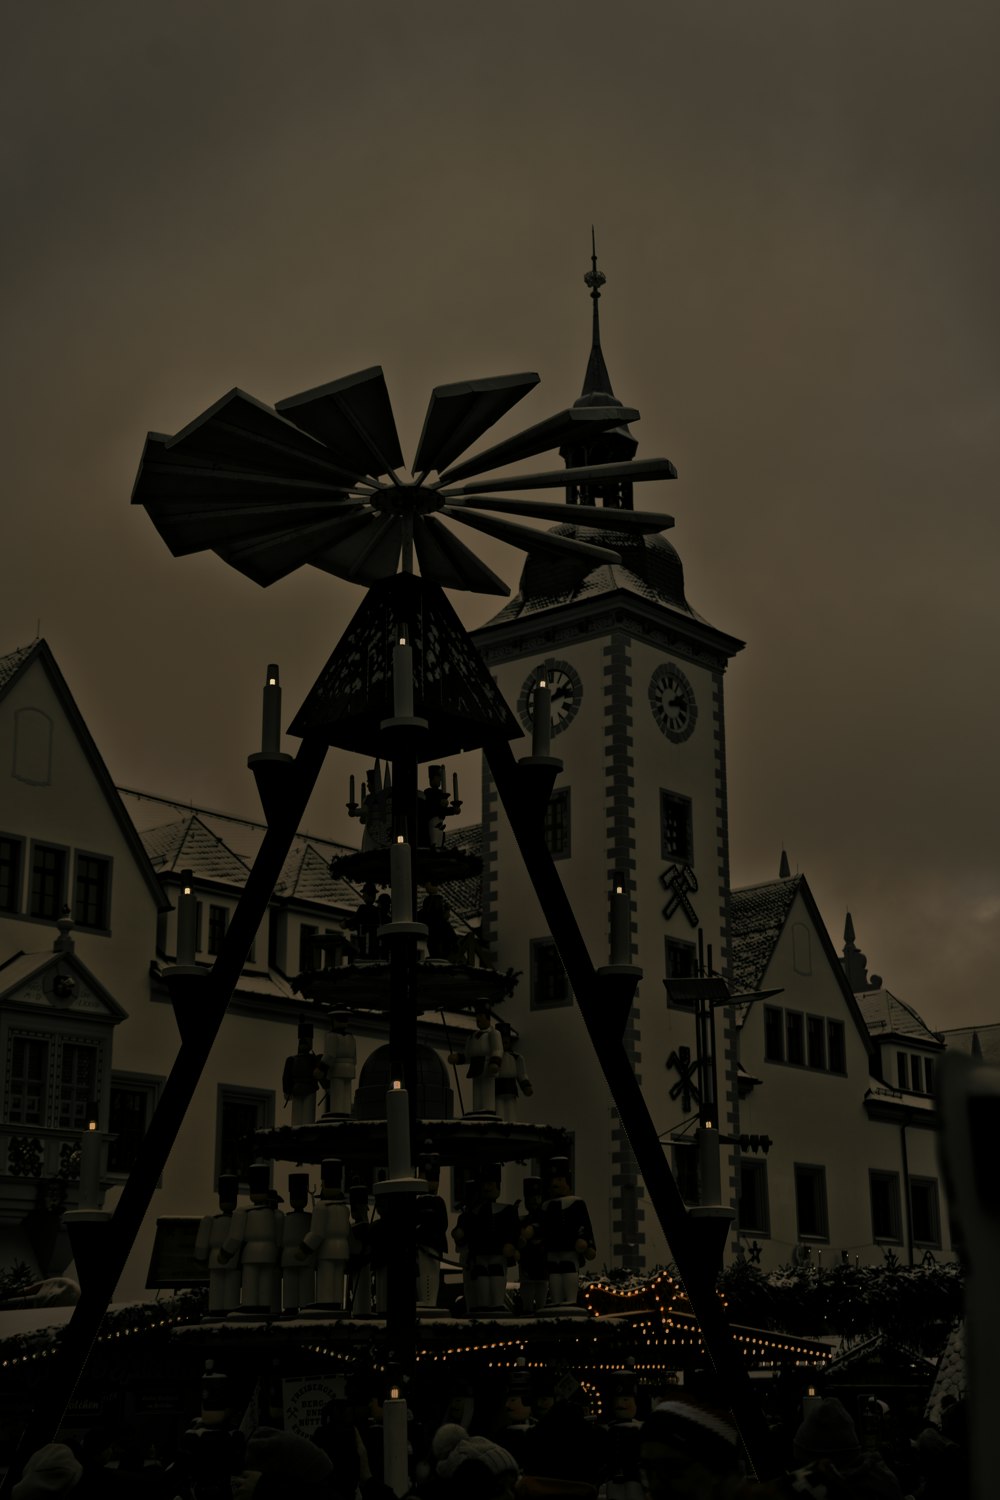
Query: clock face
(565,689)
(671,697)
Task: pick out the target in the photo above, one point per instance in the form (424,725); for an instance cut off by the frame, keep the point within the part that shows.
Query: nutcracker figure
(213,1233)
(298,1276)
(328,1237)
(256,1236)
(483,1052)
(298,1080)
(569,1238)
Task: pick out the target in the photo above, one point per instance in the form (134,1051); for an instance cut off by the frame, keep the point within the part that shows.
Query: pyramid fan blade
(564,427)
(189,528)
(353,418)
(445,560)
(602,517)
(636,469)
(530,540)
(266,559)
(367,555)
(242,432)
(459,414)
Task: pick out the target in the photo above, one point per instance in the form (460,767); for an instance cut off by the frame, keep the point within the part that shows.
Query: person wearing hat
(298,1276)
(52,1470)
(828,1452)
(512,1079)
(472,1466)
(569,1238)
(623,1443)
(298,1079)
(282,1466)
(256,1235)
(688,1452)
(336,1069)
(329,1237)
(213,1234)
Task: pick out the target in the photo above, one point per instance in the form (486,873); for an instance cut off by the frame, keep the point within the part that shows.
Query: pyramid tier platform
(366,986)
(434,866)
(465,1142)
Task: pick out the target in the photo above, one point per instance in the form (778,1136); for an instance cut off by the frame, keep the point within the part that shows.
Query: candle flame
(400,839)
(396,1083)
(187,890)
(542,682)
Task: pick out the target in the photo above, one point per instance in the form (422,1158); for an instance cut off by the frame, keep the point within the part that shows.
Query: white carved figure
(483,1052)
(329,1237)
(213,1233)
(256,1236)
(298,1276)
(512,1077)
(337,1070)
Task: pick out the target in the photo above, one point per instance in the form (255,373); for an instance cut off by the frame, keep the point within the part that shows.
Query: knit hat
(695,1431)
(284,1454)
(53,1470)
(452,1447)
(827,1432)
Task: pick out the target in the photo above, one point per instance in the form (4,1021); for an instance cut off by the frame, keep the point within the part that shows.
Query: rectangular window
(836,1047)
(92,892)
(26,1104)
(11,855)
(816,1042)
(795,1044)
(916,1075)
(902,1072)
(48,882)
(883,1190)
(240,1113)
(925,1212)
(681,962)
(557,824)
(928,1075)
(685,1155)
(676,833)
(133,1099)
(218,921)
(774,1034)
(810,1202)
(549,984)
(752,1210)
(77,1085)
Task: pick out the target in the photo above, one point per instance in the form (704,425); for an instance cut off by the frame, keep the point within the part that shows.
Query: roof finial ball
(594,278)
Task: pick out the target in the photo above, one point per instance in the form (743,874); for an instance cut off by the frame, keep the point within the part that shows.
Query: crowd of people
(541,1443)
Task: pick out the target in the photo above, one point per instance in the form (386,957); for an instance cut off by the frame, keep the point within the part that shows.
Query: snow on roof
(10,663)
(978,1041)
(757,914)
(886,1015)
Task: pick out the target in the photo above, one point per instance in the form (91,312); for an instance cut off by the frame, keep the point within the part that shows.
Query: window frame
(214,939)
(18,844)
(690,950)
(37,847)
(756,1167)
(107,864)
(815,1027)
(689,1176)
(560,797)
(816,1173)
(151,1086)
(536,1002)
(55,1037)
(903,1072)
(795,1030)
(838,1029)
(685,857)
(934,1203)
(893,1235)
(235,1093)
(776,1015)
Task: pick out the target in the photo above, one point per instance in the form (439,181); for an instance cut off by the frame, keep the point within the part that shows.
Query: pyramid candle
(270,739)
(621,946)
(541,713)
(402,679)
(400,878)
(397,1123)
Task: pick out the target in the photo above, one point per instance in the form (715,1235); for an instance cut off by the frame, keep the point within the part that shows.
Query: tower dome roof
(650,568)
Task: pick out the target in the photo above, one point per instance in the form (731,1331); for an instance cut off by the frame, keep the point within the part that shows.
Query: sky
(797,211)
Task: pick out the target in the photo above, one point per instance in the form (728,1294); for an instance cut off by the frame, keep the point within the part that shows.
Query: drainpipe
(907,1209)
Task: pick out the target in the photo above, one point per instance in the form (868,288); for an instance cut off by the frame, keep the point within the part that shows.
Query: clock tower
(635,679)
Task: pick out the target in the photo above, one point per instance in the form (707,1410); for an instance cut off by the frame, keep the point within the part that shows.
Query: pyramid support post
(603,1023)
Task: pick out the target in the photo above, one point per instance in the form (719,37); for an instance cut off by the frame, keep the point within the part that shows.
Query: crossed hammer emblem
(679,880)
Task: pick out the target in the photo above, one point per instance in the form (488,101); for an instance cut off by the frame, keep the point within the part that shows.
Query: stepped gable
(757,915)
(886,1015)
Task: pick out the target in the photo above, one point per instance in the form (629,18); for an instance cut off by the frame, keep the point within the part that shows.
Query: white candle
(90,1166)
(397,1123)
(187,921)
(399,876)
(402,680)
(270,739)
(352,792)
(454,786)
(541,713)
(621,946)
(394,1443)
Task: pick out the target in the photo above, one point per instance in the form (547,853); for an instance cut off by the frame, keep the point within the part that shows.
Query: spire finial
(784,869)
(595,279)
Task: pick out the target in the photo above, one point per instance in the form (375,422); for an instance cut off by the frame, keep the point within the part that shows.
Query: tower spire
(596,380)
